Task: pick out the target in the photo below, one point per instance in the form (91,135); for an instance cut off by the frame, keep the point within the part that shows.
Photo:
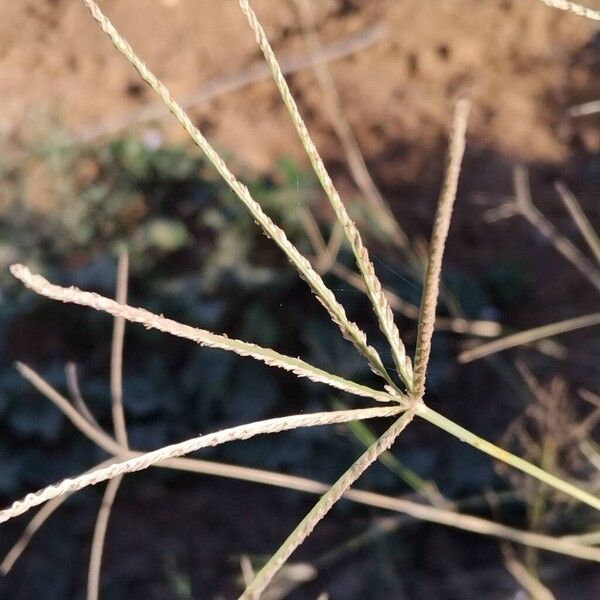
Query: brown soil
(523,63)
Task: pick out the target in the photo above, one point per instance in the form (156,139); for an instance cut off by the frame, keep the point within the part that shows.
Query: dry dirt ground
(523,63)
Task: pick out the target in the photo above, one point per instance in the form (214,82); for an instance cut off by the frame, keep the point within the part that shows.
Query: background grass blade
(575,8)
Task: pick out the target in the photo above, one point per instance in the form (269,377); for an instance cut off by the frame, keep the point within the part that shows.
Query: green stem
(366,437)
(540,504)
(514,461)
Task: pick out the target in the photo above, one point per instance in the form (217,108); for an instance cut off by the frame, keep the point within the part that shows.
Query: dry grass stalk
(575,8)
(116,355)
(334,244)
(326,252)
(380,304)
(528,336)
(591,451)
(200,336)
(586,539)
(479,328)
(233,82)
(90,430)
(579,217)
(75,391)
(99,537)
(120,428)
(416,510)
(211,89)
(354,157)
(582,110)
(524,205)
(325,296)
(535,589)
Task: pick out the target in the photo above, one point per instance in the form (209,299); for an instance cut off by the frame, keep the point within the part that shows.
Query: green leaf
(165,234)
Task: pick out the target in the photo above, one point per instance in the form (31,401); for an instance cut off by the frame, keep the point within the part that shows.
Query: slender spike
(325,296)
(323,506)
(431,288)
(205,338)
(375,292)
(148,459)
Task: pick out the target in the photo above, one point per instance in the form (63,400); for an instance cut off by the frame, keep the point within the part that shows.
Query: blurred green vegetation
(196,256)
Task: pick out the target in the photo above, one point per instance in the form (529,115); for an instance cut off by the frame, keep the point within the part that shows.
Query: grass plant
(403,395)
